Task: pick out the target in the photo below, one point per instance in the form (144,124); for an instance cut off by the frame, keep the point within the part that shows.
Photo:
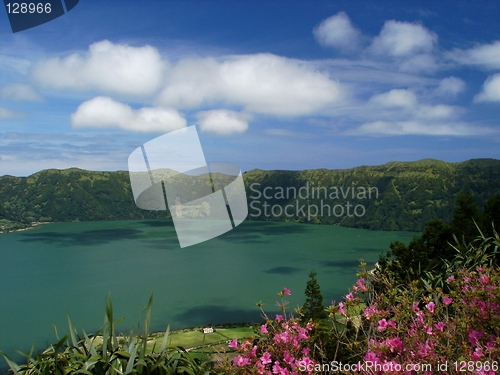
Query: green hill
(394,196)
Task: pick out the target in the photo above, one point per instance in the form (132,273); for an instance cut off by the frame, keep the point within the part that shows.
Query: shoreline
(31,226)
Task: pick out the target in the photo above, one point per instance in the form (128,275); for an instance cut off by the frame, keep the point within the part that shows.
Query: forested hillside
(394,196)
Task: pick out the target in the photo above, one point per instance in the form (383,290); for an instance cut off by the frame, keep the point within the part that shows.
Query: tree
(466,212)
(491,215)
(313,308)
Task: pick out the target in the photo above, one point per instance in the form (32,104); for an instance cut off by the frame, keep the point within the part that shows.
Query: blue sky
(269,84)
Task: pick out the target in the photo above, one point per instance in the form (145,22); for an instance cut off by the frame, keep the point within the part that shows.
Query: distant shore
(17,229)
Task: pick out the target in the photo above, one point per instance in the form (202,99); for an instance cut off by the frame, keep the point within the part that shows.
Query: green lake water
(71,267)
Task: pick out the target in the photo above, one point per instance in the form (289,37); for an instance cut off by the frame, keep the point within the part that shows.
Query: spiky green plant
(106,353)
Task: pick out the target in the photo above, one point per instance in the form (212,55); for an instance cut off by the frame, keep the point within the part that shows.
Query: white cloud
(261,83)
(450,86)
(222,121)
(401,39)
(7,113)
(104,112)
(395,98)
(114,68)
(418,128)
(439,111)
(20,92)
(491,90)
(486,55)
(398,112)
(337,31)
(419,63)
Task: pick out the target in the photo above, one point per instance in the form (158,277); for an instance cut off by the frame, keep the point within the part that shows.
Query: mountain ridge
(409,194)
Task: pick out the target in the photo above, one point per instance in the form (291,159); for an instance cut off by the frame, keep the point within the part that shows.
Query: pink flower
(341,308)
(233,344)
(430,307)
(370,311)
(288,358)
(266,358)
(241,361)
(263,328)
(349,297)
(484,279)
(415,306)
(450,279)
(474,337)
(361,285)
(306,351)
(286,292)
(439,326)
(279,318)
(447,300)
(383,324)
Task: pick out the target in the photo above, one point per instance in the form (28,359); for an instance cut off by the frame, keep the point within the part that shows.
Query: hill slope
(394,196)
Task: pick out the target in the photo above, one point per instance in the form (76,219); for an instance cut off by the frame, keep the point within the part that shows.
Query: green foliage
(313,308)
(433,254)
(107,353)
(465,214)
(408,194)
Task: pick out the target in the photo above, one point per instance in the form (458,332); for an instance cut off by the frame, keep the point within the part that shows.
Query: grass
(195,337)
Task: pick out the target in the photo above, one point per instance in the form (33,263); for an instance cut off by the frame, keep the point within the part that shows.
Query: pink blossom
(263,328)
(266,358)
(474,337)
(349,297)
(286,292)
(288,358)
(341,308)
(241,361)
(439,326)
(484,279)
(450,279)
(279,318)
(370,311)
(447,300)
(361,285)
(430,307)
(383,324)
(233,344)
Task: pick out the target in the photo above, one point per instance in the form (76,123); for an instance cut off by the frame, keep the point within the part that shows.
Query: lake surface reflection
(72,267)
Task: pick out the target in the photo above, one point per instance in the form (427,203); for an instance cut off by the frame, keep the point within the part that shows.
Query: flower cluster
(281,349)
(406,326)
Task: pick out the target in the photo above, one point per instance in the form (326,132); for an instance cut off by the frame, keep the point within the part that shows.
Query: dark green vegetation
(313,307)
(410,194)
(464,240)
(108,352)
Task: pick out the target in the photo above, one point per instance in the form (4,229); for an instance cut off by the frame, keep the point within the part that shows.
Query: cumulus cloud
(222,121)
(261,83)
(398,112)
(20,92)
(424,63)
(400,39)
(104,112)
(113,68)
(337,31)
(490,91)
(7,113)
(450,86)
(486,55)
(395,98)
(418,128)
